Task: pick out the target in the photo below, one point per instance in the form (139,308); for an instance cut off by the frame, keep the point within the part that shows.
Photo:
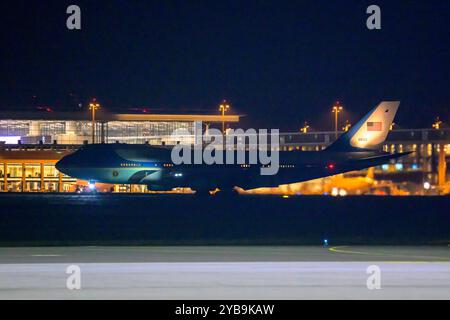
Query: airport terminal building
(69,128)
(31,143)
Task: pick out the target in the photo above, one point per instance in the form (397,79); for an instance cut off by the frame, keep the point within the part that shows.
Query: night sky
(278,62)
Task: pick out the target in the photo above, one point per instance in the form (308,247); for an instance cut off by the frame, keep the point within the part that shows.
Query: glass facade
(14,128)
(33,177)
(144,131)
(78,132)
(49,128)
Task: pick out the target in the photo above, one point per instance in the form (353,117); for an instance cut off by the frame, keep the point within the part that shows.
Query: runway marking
(45,255)
(337,250)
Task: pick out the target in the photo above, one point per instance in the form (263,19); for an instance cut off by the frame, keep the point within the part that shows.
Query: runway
(225,272)
(30,219)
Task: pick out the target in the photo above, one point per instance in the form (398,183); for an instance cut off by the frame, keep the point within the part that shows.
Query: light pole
(391,127)
(305,128)
(347,126)
(224,107)
(94,105)
(437,123)
(336,109)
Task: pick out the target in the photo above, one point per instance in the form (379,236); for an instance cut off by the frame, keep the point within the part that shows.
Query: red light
(46,109)
(331,166)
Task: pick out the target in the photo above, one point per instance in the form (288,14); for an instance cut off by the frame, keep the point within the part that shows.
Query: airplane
(148,165)
(326,185)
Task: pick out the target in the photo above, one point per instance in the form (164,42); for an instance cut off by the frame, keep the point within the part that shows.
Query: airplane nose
(61,165)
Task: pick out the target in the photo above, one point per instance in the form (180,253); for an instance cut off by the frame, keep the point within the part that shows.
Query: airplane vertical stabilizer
(369,132)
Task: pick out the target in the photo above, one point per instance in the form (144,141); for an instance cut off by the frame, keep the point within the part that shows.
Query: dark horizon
(279,64)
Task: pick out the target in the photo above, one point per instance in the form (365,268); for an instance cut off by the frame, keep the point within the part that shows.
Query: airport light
(391,127)
(334,191)
(437,123)
(347,126)
(93,105)
(224,107)
(305,128)
(336,109)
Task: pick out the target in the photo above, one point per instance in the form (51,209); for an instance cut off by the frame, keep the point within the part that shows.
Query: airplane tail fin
(370,131)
